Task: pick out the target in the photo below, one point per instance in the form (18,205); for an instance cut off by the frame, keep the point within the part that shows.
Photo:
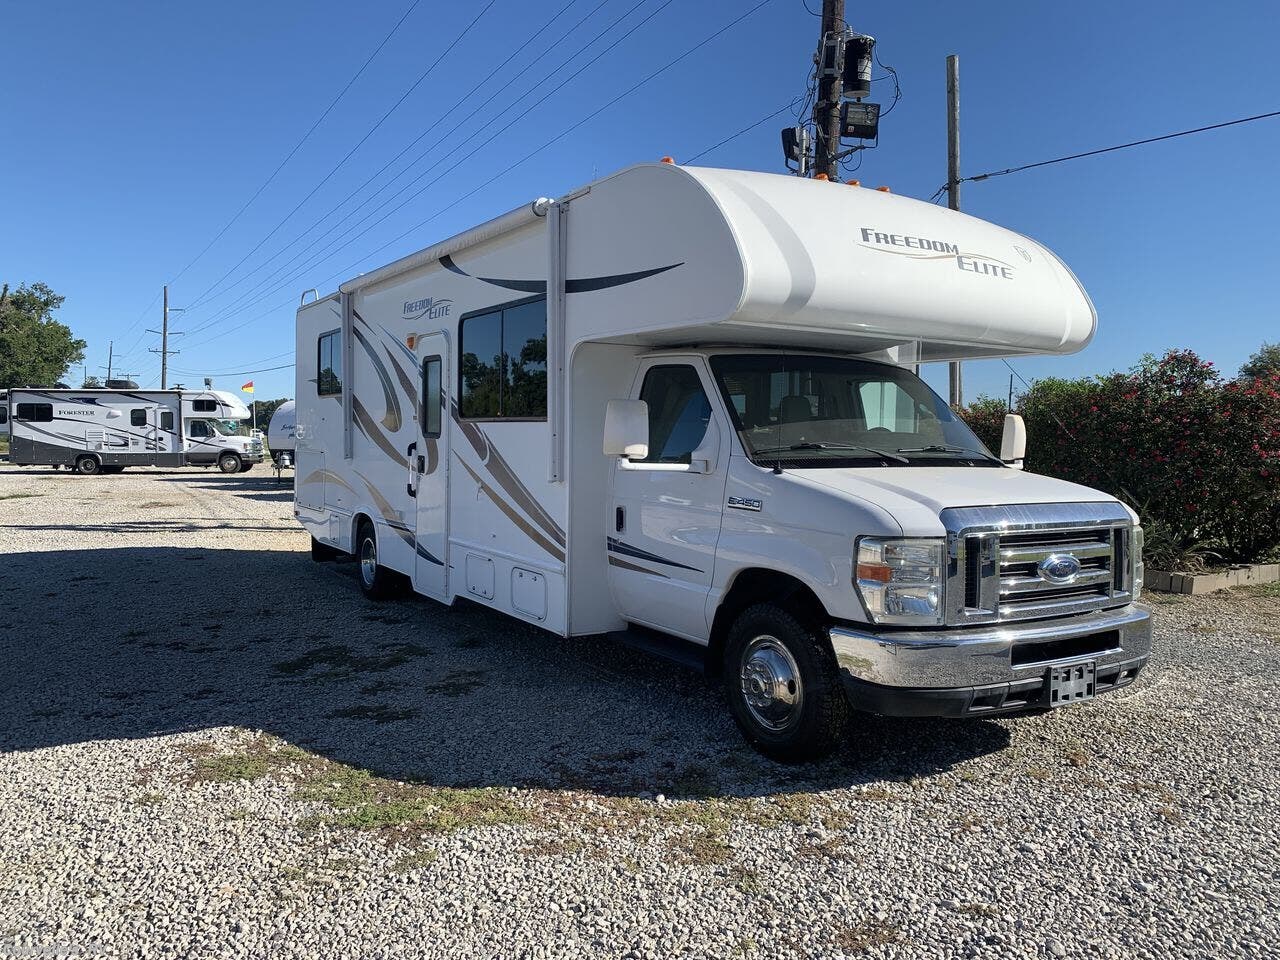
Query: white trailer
(94,431)
(682,399)
(280,434)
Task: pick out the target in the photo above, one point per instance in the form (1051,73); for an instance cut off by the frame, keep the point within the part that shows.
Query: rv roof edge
(511,220)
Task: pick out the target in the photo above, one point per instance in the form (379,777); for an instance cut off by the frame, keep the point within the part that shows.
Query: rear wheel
(783,685)
(376,581)
(87,466)
(229,463)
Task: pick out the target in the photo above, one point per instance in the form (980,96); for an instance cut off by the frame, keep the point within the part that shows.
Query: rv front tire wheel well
(754,586)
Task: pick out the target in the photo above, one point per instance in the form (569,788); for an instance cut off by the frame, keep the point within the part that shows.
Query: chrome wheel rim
(368,561)
(770,683)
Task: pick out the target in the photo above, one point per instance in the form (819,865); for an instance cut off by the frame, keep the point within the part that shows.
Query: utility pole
(164,350)
(111,347)
(826,109)
(956,392)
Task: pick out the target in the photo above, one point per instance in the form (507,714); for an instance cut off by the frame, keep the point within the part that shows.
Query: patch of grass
(978,909)
(19,496)
(1077,757)
(231,767)
(149,799)
(377,712)
(1265,590)
(746,880)
(864,936)
(415,861)
(459,683)
(342,662)
(156,504)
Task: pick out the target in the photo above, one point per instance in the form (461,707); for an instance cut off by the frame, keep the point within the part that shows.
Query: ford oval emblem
(1059,568)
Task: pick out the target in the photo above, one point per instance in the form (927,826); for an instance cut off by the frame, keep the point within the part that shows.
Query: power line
(422,76)
(488,180)
(747,129)
(1093,153)
(354,232)
(305,137)
(232,373)
(524,44)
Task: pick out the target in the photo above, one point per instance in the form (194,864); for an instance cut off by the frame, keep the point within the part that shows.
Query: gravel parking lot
(212,747)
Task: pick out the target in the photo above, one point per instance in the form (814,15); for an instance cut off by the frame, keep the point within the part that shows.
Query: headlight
(900,581)
(1139,571)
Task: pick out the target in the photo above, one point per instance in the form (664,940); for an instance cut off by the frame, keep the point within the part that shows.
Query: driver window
(679,412)
(198,428)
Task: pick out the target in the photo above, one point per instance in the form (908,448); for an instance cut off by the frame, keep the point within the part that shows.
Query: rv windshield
(838,411)
(226,428)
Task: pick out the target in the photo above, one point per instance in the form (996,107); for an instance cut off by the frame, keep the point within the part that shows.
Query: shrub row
(1196,455)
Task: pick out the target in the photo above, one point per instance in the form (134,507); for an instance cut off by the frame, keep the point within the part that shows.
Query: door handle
(410,487)
(422,464)
(619,519)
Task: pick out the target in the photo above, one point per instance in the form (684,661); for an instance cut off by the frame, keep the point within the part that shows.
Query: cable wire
(422,76)
(747,129)
(1093,153)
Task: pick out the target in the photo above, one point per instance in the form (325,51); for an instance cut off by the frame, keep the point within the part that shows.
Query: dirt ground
(211,746)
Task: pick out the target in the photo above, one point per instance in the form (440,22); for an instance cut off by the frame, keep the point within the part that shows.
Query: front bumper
(1000,668)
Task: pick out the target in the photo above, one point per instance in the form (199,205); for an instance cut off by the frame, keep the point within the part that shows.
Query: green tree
(1264,363)
(35,349)
(91,383)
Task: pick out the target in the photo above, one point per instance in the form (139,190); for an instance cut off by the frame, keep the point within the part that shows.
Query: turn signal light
(875,571)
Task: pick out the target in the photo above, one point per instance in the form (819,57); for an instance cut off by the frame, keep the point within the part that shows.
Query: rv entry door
(428,463)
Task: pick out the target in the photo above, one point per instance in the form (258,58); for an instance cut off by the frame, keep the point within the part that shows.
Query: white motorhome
(280,434)
(681,400)
(104,431)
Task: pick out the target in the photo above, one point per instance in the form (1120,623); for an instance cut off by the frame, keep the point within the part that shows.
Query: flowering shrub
(1197,456)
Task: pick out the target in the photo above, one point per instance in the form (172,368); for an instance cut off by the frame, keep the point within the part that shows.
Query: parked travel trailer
(280,434)
(104,431)
(681,401)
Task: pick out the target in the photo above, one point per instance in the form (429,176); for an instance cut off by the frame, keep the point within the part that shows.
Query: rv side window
(432,400)
(204,406)
(138,418)
(678,413)
(502,370)
(197,428)
(35,412)
(166,419)
(4,414)
(329,364)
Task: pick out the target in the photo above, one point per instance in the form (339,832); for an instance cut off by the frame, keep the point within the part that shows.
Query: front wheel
(229,463)
(783,685)
(246,467)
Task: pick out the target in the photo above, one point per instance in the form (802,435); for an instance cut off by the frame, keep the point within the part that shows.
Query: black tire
(230,463)
(322,552)
(246,467)
(376,581)
(798,711)
(87,466)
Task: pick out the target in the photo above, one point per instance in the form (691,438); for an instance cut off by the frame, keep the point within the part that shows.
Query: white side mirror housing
(626,429)
(704,459)
(1013,443)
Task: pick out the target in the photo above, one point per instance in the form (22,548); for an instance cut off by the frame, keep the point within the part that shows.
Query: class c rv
(104,431)
(680,403)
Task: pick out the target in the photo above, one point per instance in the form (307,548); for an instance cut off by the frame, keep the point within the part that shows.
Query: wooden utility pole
(164,342)
(826,108)
(164,350)
(956,392)
(111,347)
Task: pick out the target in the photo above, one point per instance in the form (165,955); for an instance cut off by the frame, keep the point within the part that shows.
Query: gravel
(189,707)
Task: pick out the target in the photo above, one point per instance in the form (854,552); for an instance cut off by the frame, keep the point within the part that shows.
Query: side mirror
(703,460)
(626,429)
(1013,443)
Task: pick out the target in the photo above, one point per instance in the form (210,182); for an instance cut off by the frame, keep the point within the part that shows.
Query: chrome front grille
(996,555)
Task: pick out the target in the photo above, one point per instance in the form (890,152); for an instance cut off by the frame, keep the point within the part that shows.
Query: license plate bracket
(1072,683)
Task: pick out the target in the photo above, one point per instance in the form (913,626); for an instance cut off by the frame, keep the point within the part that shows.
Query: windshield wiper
(812,445)
(948,448)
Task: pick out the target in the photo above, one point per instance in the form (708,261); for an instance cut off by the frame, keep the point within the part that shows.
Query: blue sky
(135,131)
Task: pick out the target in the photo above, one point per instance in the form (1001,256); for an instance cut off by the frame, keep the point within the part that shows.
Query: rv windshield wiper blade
(835,446)
(948,448)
